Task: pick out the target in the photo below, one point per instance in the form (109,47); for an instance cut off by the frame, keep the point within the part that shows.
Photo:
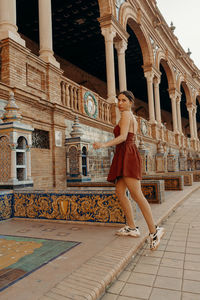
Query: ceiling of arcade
(77,38)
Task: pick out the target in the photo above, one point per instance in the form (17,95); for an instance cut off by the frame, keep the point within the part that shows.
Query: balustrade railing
(83,101)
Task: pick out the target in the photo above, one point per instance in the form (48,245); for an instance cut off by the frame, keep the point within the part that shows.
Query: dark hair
(129,95)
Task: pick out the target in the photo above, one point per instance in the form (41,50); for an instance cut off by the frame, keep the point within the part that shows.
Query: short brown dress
(126,161)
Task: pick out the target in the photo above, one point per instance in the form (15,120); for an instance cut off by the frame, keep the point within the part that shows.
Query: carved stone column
(190,109)
(174,112)
(8,28)
(121,47)
(28,157)
(157,99)
(13,175)
(195,122)
(109,35)
(178,108)
(45,29)
(149,77)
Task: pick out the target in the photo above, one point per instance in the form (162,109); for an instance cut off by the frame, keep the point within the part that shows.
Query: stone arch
(130,14)
(161,59)
(197,97)
(22,142)
(187,91)
(107,7)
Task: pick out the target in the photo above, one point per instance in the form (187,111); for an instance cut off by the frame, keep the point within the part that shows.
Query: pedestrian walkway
(86,270)
(173,271)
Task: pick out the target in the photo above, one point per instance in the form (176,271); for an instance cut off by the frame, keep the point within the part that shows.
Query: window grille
(40,139)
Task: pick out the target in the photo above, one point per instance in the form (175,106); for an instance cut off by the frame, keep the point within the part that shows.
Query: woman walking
(125,171)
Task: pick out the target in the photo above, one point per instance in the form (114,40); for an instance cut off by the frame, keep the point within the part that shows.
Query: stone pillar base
(4,34)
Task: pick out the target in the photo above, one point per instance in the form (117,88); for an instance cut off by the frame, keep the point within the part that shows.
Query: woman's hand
(97,145)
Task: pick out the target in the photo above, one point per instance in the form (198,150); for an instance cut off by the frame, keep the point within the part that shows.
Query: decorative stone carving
(144,156)
(77,155)
(15,139)
(171,161)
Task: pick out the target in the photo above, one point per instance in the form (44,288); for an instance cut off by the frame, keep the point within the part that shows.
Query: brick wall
(99,160)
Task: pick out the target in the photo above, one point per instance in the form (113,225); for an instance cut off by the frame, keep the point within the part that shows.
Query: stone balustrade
(74,97)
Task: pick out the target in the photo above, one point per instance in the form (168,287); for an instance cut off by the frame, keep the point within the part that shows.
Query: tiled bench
(152,189)
(172,182)
(187,177)
(196,176)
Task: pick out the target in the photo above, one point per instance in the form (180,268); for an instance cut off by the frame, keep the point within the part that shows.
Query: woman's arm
(124,128)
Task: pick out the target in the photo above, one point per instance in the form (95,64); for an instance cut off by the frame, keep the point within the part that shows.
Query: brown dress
(127,160)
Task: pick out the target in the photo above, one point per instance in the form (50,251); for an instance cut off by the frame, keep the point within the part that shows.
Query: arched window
(21,162)
(84,161)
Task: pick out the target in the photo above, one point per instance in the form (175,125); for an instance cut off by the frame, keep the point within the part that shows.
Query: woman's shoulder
(126,114)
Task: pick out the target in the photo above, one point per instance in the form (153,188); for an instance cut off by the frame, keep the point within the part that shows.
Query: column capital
(178,99)
(109,33)
(121,46)
(149,76)
(156,80)
(13,146)
(190,107)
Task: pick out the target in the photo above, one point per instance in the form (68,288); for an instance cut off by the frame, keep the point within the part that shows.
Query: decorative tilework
(172,182)
(21,255)
(94,206)
(6,205)
(153,190)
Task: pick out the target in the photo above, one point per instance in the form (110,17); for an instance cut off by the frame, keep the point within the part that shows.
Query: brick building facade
(64,59)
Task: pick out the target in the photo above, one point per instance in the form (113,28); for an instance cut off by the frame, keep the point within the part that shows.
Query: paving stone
(174,263)
(192,257)
(143,279)
(124,276)
(191,286)
(164,294)
(147,269)
(150,260)
(190,296)
(170,272)
(136,290)
(109,296)
(174,255)
(168,283)
(192,266)
(192,275)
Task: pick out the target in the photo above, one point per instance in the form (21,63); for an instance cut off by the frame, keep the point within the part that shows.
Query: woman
(125,171)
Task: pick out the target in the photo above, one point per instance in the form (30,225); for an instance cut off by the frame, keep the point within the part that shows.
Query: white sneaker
(156,237)
(129,231)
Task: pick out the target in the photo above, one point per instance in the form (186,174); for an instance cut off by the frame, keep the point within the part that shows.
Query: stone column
(13,175)
(178,107)
(28,160)
(109,35)
(45,29)
(121,47)
(174,113)
(8,28)
(157,99)
(190,109)
(195,122)
(149,77)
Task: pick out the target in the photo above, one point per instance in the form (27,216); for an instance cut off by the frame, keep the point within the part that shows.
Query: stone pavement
(86,271)
(173,271)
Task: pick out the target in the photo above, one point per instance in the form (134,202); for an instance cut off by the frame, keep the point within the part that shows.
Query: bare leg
(134,187)
(125,202)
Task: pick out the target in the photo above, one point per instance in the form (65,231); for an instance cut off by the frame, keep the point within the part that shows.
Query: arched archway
(185,96)
(166,83)
(198,116)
